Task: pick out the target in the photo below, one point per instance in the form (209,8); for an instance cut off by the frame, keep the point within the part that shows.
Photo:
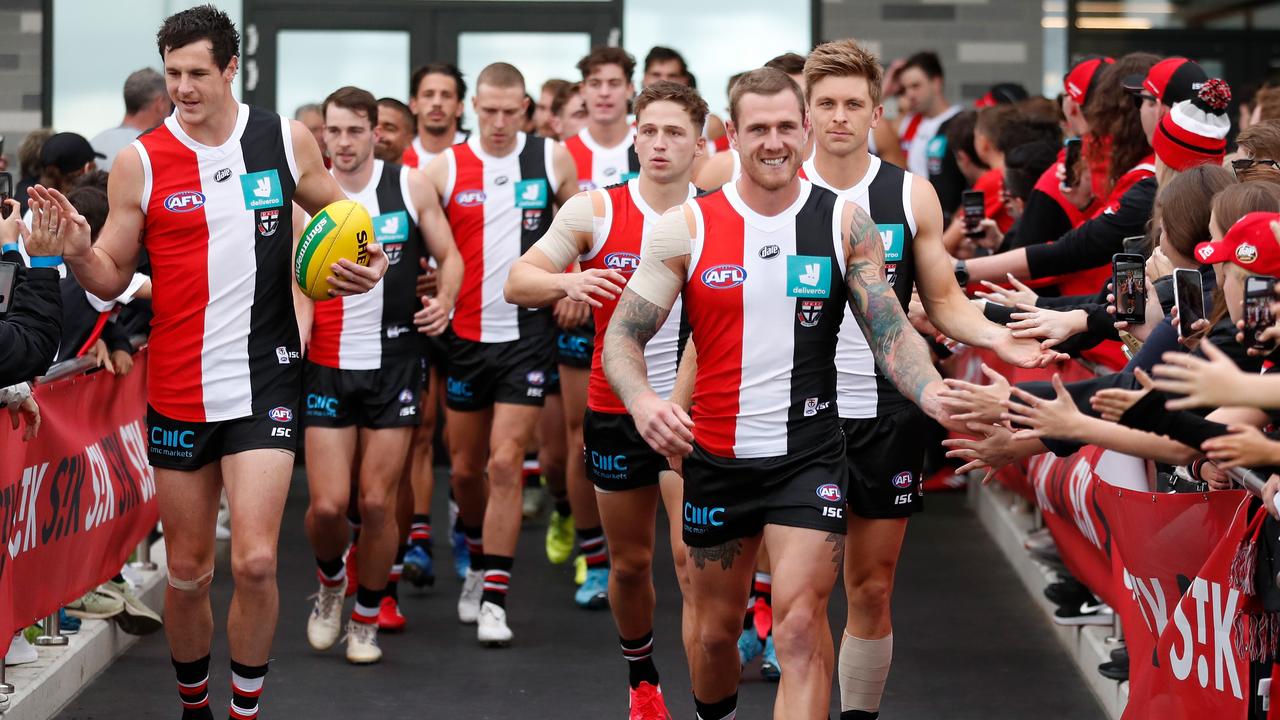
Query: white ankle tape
(864,668)
(191,585)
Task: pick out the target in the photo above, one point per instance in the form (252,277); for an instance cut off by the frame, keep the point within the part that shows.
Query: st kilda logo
(268,222)
(810,313)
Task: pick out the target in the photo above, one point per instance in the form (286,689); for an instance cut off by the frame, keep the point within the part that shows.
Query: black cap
(68,152)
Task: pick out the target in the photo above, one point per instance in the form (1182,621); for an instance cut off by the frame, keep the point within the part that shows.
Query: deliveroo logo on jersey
(894,238)
(808,276)
(391,231)
(531,194)
(261,190)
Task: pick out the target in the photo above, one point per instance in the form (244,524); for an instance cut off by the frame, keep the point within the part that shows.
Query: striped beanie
(1194,132)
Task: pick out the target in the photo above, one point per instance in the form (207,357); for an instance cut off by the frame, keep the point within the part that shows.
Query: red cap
(1080,77)
(1249,243)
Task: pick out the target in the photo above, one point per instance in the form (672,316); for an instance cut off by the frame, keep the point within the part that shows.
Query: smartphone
(975,210)
(8,274)
(1188,297)
(1135,244)
(1071,160)
(1129,285)
(6,192)
(1259,293)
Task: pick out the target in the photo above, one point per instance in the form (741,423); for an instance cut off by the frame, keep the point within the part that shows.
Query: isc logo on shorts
(623,262)
(184,201)
(902,480)
(724,277)
(829,492)
(281,414)
(469,198)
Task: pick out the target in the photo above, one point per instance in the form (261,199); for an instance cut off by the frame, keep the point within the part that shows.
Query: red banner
(1161,544)
(75,501)
(1064,491)
(1198,667)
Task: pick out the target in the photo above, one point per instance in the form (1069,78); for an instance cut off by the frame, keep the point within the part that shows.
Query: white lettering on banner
(25,539)
(1149,596)
(133,437)
(104,494)
(1224,661)
(1079,483)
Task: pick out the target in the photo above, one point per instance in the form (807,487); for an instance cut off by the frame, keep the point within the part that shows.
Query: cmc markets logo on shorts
(696,517)
(724,277)
(609,464)
(469,198)
(623,262)
(281,414)
(829,492)
(172,438)
(184,201)
(322,405)
(458,389)
(902,480)
(577,345)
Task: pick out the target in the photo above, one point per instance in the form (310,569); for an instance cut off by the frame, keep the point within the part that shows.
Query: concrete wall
(980,42)
(20,59)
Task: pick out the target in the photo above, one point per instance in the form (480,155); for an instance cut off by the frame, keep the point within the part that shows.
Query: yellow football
(341,230)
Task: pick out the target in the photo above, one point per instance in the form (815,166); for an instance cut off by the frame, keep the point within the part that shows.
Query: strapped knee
(196,585)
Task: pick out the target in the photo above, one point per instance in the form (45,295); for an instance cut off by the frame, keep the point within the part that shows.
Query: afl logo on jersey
(469,198)
(829,492)
(623,262)
(281,414)
(724,277)
(902,480)
(184,201)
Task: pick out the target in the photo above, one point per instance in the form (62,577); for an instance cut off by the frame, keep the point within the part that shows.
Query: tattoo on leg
(724,554)
(837,548)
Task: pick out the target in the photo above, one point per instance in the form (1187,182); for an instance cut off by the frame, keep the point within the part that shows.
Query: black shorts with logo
(180,445)
(576,346)
(481,374)
(886,458)
(617,458)
(376,399)
(728,499)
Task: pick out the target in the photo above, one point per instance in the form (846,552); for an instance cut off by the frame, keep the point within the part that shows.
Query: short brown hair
(843,58)
(563,95)
(992,119)
(682,95)
(1262,140)
(789,63)
(763,81)
(553,86)
(500,75)
(354,99)
(607,56)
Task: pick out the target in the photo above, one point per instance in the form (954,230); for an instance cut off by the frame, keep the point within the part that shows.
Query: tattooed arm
(643,307)
(899,350)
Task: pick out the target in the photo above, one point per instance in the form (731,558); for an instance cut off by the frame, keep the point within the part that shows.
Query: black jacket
(30,331)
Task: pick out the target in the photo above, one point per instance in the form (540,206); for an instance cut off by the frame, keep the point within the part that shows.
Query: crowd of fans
(1153,165)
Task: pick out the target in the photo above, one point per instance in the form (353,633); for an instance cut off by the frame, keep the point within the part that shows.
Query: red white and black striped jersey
(600,167)
(497,209)
(361,332)
(418,157)
(764,299)
(885,193)
(218,232)
(617,245)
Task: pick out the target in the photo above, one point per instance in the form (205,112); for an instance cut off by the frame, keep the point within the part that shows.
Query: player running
(604,230)
(436,92)
(207,194)
(764,455)
(364,375)
(604,154)
(497,190)
(882,427)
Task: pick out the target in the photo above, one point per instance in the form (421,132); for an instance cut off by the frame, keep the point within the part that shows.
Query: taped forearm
(561,242)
